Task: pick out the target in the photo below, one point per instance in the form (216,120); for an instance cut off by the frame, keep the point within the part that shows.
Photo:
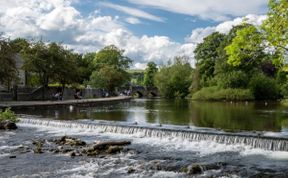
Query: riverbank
(82,102)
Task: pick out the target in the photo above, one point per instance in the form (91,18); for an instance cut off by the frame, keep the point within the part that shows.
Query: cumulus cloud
(219,10)
(198,34)
(59,20)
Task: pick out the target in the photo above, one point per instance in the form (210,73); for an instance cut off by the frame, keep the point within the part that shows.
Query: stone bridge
(141,91)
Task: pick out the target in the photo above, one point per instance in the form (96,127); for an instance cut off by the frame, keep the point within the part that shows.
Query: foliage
(85,67)
(112,56)
(110,68)
(137,77)
(51,62)
(37,60)
(263,87)
(8,71)
(206,56)
(174,81)
(149,74)
(108,77)
(275,26)
(217,94)
(246,49)
(8,115)
(19,44)
(63,63)
(233,79)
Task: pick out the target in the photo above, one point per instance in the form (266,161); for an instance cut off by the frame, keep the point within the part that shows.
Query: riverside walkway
(79,102)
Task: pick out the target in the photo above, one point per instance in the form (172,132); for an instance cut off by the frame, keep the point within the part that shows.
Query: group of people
(126,93)
(59,95)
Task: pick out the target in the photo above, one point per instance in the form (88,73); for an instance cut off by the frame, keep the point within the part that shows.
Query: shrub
(216,94)
(8,115)
(234,79)
(264,87)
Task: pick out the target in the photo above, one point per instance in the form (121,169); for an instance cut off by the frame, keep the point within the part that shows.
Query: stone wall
(36,94)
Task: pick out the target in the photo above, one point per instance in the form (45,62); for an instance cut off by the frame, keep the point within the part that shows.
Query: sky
(148,30)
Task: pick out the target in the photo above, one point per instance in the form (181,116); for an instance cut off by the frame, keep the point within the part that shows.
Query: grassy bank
(218,94)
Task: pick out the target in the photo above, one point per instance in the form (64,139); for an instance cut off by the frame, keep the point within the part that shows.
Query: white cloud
(134,12)
(198,34)
(132,20)
(58,20)
(218,10)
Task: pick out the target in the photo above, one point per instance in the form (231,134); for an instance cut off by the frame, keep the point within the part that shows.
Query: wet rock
(72,154)
(114,149)
(65,140)
(131,170)
(195,169)
(38,147)
(105,145)
(8,125)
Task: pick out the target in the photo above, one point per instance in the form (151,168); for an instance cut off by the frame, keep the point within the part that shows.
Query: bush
(264,87)
(8,115)
(174,81)
(216,94)
(234,79)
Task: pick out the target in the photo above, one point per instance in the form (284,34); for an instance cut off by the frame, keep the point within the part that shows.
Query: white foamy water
(164,143)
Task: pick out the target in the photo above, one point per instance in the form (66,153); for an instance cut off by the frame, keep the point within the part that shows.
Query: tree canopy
(8,71)
(174,81)
(110,66)
(149,74)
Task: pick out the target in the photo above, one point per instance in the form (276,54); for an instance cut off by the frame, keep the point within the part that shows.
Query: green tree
(85,67)
(8,71)
(64,64)
(19,44)
(206,56)
(174,81)
(37,60)
(149,74)
(112,56)
(275,26)
(110,66)
(246,49)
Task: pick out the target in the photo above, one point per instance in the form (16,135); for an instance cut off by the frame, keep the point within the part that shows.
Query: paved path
(24,104)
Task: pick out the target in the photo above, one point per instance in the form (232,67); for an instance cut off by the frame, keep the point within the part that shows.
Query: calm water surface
(220,115)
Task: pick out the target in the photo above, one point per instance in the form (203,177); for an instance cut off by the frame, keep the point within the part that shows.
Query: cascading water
(255,141)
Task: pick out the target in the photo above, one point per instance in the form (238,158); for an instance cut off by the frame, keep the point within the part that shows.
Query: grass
(8,115)
(218,94)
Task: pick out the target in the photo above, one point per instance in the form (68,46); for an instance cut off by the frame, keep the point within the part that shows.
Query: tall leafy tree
(64,64)
(275,26)
(8,71)
(246,49)
(149,74)
(174,81)
(85,67)
(206,56)
(110,68)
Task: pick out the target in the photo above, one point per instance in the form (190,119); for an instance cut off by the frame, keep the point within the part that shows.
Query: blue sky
(148,30)
(175,25)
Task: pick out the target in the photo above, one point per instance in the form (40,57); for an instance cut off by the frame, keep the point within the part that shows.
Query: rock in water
(8,125)
(114,149)
(194,169)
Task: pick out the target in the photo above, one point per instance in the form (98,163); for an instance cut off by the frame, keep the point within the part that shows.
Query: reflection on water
(226,116)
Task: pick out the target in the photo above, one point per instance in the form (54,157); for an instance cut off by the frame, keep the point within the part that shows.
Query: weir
(253,140)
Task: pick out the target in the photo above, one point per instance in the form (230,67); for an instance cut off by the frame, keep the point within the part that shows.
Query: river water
(158,155)
(231,117)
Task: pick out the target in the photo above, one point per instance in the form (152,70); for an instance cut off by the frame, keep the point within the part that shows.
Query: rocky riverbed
(33,151)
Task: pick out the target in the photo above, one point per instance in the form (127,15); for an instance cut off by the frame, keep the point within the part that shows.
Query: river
(163,138)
